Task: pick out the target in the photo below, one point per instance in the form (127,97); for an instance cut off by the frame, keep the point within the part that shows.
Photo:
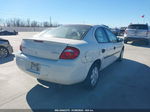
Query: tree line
(17,22)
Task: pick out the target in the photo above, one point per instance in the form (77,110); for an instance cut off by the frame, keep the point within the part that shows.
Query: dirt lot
(125,84)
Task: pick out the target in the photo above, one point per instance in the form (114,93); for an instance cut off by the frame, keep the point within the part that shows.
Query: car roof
(85,25)
(76,25)
(89,25)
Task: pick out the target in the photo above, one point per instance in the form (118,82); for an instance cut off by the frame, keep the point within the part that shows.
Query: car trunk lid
(46,48)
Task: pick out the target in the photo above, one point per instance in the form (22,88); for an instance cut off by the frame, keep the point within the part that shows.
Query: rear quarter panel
(89,51)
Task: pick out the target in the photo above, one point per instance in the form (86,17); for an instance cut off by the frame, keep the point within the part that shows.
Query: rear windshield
(144,27)
(68,31)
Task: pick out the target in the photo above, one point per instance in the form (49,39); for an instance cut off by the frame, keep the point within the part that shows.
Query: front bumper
(62,71)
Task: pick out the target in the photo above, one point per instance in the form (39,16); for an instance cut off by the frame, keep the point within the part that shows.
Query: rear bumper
(136,39)
(61,72)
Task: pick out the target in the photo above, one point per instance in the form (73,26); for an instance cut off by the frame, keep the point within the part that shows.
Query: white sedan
(70,54)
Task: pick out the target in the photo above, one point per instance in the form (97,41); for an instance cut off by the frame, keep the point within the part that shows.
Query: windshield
(144,27)
(68,31)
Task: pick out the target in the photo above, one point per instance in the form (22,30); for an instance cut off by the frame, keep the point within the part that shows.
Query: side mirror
(120,39)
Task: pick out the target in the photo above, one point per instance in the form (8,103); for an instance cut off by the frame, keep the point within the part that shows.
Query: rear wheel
(92,77)
(3,52)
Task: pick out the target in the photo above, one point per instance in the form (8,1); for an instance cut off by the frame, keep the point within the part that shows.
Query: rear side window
(111,36)
(101,36)
(143,27)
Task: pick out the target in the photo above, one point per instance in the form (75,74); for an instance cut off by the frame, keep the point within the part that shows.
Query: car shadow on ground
(7,59)
(123,85)
(140,44)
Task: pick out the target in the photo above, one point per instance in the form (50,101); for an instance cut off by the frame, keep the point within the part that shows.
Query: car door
(105,47)
(116,46)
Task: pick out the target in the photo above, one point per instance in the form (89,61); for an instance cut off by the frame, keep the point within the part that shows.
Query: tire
(121,55)
(93,77)
(3,52)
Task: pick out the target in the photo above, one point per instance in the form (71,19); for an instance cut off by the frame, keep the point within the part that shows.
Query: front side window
(111,36)
(101,36)
(67,31)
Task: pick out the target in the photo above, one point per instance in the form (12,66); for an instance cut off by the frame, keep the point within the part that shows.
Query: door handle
(114,48)
(103,50)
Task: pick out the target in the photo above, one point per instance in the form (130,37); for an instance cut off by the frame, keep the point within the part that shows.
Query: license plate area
(35,67)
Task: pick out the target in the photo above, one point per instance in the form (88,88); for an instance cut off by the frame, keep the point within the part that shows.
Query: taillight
(70,53)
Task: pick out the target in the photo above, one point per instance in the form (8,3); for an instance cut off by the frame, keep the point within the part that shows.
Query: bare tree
(34,24)
(28,23)
(45,24)
(17,22)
